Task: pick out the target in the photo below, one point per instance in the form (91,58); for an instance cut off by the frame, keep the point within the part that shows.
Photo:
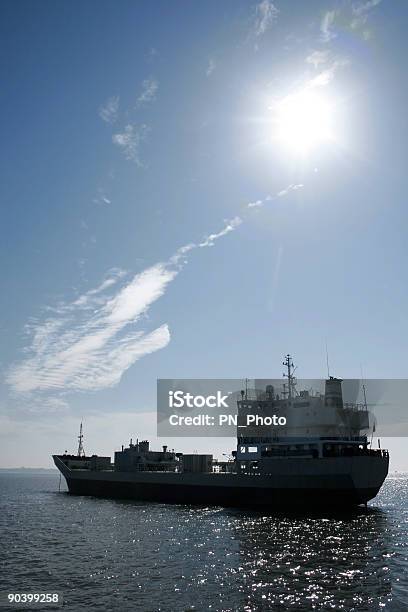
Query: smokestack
(333,393)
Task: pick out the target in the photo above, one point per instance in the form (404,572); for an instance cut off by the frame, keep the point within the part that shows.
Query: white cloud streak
(108,112)
(327,75)
(129,141)
(265,15)
(211,67)
(88,299)
(271,198)
(88,344)
(316,58)
(230,227)
(101,198)
(326,26)
(361,12)
(150,87)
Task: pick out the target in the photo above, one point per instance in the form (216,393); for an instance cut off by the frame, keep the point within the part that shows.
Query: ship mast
(364,388)
(81,451)
(290,376)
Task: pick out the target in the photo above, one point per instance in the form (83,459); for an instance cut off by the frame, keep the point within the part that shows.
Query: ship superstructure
(319,425)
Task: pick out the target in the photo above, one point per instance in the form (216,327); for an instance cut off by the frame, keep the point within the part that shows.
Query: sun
(303,121)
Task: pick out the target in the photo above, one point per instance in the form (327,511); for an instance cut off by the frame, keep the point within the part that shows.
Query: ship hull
(260,498)
(295,484)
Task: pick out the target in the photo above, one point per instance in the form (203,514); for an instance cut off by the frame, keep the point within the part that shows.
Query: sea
(123,555)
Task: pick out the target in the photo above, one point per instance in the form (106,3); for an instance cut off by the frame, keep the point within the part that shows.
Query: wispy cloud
(110,109)
(359,15)
(87,344)
(150,87)
(326,26)
(101,197)
(130,140)
(316,58)
(323,60)
(84,349)
(210,67)
(325,76)
(361,12)
(152,53)
(230,227)
(265,15)
(271,198)
(88,299)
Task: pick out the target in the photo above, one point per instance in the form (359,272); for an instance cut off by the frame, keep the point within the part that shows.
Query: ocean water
(121,555)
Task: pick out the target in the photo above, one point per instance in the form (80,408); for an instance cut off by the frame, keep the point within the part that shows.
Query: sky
(193,190)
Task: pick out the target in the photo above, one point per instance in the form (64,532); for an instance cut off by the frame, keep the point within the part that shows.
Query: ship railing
(354,451)
(279,393)
(256,394)
(355,407)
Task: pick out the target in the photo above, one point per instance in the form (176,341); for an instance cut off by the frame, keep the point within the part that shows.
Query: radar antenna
(81,451)
(327,361)
(290,376)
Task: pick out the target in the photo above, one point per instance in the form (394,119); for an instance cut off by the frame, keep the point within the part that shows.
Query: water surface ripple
(118,555)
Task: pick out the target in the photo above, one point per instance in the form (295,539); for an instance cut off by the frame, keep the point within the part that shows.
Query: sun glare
(303,121)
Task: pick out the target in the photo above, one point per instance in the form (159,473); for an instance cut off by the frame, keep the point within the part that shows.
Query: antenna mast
(364,387)
(291,379)
(327,361)
(81,452)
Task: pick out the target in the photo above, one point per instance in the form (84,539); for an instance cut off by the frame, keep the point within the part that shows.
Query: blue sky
(154,225)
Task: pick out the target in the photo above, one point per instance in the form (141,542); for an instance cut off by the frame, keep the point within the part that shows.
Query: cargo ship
(323,458)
